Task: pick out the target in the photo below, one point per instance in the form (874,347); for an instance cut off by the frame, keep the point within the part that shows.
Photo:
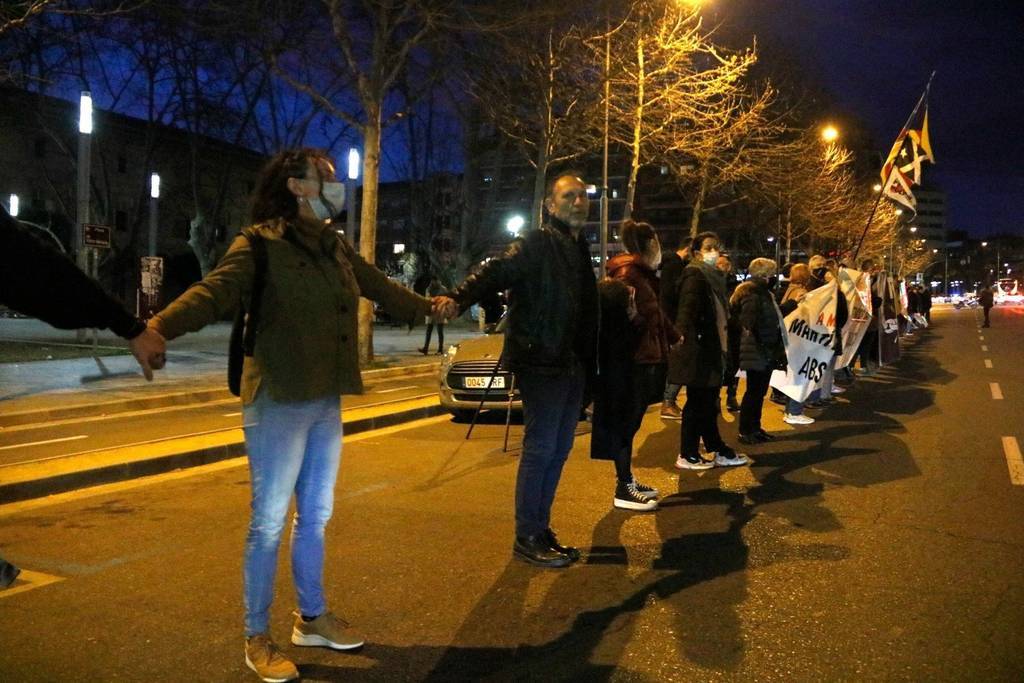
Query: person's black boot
(731,404)
(567,550)
(534,550)
(8,573)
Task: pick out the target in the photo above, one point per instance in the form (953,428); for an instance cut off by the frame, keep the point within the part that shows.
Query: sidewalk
(196,366)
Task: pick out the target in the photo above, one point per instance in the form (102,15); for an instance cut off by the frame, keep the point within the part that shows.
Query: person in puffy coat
(698,360)
(654,334)
(759,324)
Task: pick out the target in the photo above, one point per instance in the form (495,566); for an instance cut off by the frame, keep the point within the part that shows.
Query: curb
(220,393)
(107,474)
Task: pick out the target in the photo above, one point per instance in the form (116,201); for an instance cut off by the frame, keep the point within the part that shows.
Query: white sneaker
(797,419)
(697,463)
(736,460)
(838,390)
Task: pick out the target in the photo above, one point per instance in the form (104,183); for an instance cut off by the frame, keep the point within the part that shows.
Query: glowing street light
(984,244)
(350,192)
(85,113)
(154,196)
(154,186)
(877,187)
(515,225)
(829,134)
(353,164)
(913,228)
(13,206)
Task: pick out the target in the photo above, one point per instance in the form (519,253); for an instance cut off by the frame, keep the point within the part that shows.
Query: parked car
(469,373)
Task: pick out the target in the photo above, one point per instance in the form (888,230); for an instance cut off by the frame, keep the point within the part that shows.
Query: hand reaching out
(149,348)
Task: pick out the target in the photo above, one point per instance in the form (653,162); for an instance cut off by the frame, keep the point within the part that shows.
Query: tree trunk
(638,122)
(537,208)
(368,225)
(789,235)
(698,204)
(203,242)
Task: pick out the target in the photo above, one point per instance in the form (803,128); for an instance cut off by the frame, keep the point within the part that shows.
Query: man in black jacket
(550,345)
(37,280)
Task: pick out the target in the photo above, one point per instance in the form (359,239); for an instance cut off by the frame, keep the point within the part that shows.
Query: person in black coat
(702,320)
(38,280)
(672,265)
(760,345)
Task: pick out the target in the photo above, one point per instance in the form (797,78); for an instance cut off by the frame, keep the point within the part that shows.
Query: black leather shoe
(749,439)
(567,550)
(731,404)
(764,436)
(534,550)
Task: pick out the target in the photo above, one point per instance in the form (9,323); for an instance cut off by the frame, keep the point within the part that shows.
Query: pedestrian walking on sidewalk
(38,280)
(304,358)
(550,345)
(702,321)
(987,300)
(434,289)
(645,358)
(761,350)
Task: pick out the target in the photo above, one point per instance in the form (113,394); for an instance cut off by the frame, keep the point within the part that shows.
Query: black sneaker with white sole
(627,497)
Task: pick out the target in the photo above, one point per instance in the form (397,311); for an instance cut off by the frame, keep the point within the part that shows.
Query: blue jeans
(551,410)
(293,448)
(797,408)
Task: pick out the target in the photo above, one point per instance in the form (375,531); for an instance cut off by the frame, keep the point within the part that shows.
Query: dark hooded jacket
(655,330)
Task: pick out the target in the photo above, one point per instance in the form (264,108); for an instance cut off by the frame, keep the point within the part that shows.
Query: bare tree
(536,84)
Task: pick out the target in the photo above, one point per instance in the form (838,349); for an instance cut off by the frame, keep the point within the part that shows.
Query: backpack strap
(259,255)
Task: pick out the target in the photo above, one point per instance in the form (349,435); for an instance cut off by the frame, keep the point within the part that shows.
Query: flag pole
(878,200)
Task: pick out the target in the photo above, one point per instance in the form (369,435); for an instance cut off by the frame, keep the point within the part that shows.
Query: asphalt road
(43,441)
(884,542)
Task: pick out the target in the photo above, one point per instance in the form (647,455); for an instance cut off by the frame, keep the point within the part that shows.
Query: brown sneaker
(670,411)
(327,630)
(263,657)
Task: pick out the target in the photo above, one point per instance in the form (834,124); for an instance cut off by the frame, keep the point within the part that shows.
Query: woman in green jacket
(305,357)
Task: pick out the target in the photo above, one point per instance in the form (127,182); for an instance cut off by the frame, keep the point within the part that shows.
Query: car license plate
(497,382)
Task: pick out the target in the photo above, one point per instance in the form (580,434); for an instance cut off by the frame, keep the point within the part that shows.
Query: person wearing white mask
(305,356)
(653,334)
(702,320)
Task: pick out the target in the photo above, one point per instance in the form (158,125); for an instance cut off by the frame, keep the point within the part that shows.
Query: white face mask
(710,257)
(329,203)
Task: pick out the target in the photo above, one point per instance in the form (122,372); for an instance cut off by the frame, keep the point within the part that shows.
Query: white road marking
(388,391)
(1014,461)
(988,363)
(984,347)
(43,443)
(997,393)
(980,338)
(232,414)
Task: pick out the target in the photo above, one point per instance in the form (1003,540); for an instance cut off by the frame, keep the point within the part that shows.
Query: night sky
(874,58)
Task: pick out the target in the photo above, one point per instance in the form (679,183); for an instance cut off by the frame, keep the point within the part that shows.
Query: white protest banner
(856,288)
(811,330)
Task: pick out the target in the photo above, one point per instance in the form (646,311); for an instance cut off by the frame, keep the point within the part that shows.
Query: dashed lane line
(43,443)
(1014,461)
(984,347)
(988,363)
(997,393)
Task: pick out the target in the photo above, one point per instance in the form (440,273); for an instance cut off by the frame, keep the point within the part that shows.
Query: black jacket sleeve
(37,280)
(495,276)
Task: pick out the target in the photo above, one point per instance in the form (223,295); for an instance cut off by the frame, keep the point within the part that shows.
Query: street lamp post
(350,192)
(154,197)
(603,237)
(84,169)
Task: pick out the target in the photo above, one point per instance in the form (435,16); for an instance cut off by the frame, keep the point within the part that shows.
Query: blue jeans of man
(551,411)
(294,448)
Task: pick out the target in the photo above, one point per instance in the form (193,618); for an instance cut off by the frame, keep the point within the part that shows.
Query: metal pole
(153,201)
(607,109)
(350,223)
(82,218)
(945,280)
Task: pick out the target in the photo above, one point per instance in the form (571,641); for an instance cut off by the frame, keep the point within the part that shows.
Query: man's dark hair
(272,199)
(698,242)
